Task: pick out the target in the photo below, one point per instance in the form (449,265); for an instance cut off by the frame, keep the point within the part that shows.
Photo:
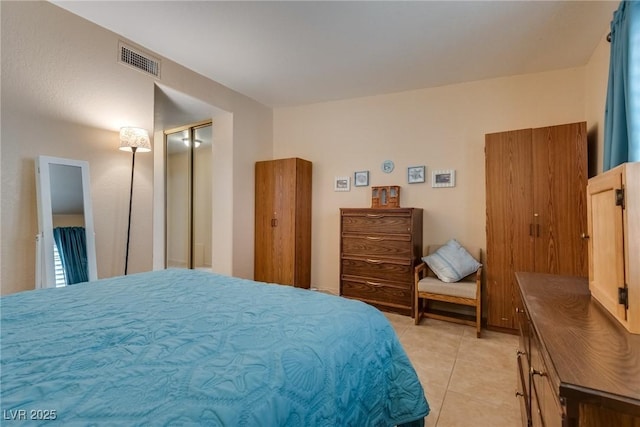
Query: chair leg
(418,314)
(478,320)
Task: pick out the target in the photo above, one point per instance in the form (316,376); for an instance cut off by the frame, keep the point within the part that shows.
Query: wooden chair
(466,292)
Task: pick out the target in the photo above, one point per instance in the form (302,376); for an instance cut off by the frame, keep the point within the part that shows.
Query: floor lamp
(134,140)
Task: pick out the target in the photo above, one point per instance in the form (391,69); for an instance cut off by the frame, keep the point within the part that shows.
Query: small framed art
(342,183)
(361,179)
(443,178)
(415,174)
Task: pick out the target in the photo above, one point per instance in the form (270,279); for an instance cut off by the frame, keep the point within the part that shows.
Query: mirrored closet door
(188,196)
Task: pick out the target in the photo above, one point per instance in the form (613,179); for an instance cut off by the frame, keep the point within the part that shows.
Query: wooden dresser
(378,251)
(577,366)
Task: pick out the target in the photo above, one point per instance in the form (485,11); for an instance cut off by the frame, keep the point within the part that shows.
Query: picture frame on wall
(443,178)
(416,174)
(361,179)
(342,183)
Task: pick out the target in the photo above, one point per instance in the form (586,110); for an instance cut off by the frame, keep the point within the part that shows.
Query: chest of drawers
(577,366)
(378,251)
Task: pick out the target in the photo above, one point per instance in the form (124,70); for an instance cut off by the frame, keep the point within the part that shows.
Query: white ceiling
(298,52)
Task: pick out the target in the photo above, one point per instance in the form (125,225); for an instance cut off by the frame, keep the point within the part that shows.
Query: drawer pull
(373,261)
(375,216)
(374,238)
(536,372)
(373,283)
(519,394)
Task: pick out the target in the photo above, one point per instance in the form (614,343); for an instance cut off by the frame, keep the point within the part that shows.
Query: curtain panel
(622,109)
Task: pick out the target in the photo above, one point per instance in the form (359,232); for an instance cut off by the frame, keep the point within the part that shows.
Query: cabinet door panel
(509,206)
(559,191)
(284,213)
(605,228)
(264,208)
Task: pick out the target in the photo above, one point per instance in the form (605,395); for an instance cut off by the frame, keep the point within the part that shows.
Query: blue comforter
(182,347)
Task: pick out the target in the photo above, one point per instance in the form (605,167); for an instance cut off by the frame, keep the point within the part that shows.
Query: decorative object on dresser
(283,222)
(385,196)
(576,365)
(378,251)
(449,273)
(613,201)
(536,210)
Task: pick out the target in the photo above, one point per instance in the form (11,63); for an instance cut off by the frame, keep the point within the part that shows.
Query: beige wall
(597,76)
(64,95)
(442,128)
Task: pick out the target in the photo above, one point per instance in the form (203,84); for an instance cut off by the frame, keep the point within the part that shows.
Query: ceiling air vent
(138,59)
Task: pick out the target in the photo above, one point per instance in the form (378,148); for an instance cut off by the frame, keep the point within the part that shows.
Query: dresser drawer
(387,269)
(392,222)
(377,245)
(377,292)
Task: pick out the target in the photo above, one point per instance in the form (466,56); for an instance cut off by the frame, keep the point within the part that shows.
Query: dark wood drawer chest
(378,251)
(578,367)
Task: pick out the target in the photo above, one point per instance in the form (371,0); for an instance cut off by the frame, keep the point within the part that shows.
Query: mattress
(185,347)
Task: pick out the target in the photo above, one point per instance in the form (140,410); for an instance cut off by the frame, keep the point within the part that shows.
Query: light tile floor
(469,382)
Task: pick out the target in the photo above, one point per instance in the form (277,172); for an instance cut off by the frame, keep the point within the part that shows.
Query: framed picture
(361,179)
(444,178)
(342,183)
(415,174)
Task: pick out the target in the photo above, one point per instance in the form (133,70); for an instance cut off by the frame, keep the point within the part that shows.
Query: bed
(185,347)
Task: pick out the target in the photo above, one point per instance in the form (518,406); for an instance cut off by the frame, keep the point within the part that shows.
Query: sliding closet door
(202,198)
(189,197)
(178,212)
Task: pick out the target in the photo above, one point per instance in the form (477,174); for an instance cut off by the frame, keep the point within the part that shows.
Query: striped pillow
(451,262)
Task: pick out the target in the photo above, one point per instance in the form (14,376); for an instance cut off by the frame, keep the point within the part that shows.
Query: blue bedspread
(182,347)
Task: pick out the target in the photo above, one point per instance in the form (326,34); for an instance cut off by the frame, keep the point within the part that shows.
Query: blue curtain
(72,247)
(622,110)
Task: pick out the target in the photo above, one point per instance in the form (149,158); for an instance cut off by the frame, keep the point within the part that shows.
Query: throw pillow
(451,262)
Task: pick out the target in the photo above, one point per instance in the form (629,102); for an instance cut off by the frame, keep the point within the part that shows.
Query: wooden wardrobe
(283,222)
(536,182)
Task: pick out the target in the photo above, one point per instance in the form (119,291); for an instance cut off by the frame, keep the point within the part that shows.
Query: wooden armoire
(283,222)
(536,182)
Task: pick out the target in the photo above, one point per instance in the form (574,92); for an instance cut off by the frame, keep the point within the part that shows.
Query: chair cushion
(459,289)
(451,262)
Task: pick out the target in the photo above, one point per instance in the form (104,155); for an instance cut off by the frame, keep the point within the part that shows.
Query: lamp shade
(134,137)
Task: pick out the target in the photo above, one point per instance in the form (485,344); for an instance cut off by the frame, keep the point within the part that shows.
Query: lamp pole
(133,165)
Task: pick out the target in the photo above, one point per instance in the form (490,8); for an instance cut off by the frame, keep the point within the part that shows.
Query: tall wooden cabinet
(283,222)
(536,183)
(379,249)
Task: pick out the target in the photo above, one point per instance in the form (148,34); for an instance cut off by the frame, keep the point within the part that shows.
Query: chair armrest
(420,271)
(479,283)
(479,275)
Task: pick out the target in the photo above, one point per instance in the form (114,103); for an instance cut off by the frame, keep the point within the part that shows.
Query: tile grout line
(446,390)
